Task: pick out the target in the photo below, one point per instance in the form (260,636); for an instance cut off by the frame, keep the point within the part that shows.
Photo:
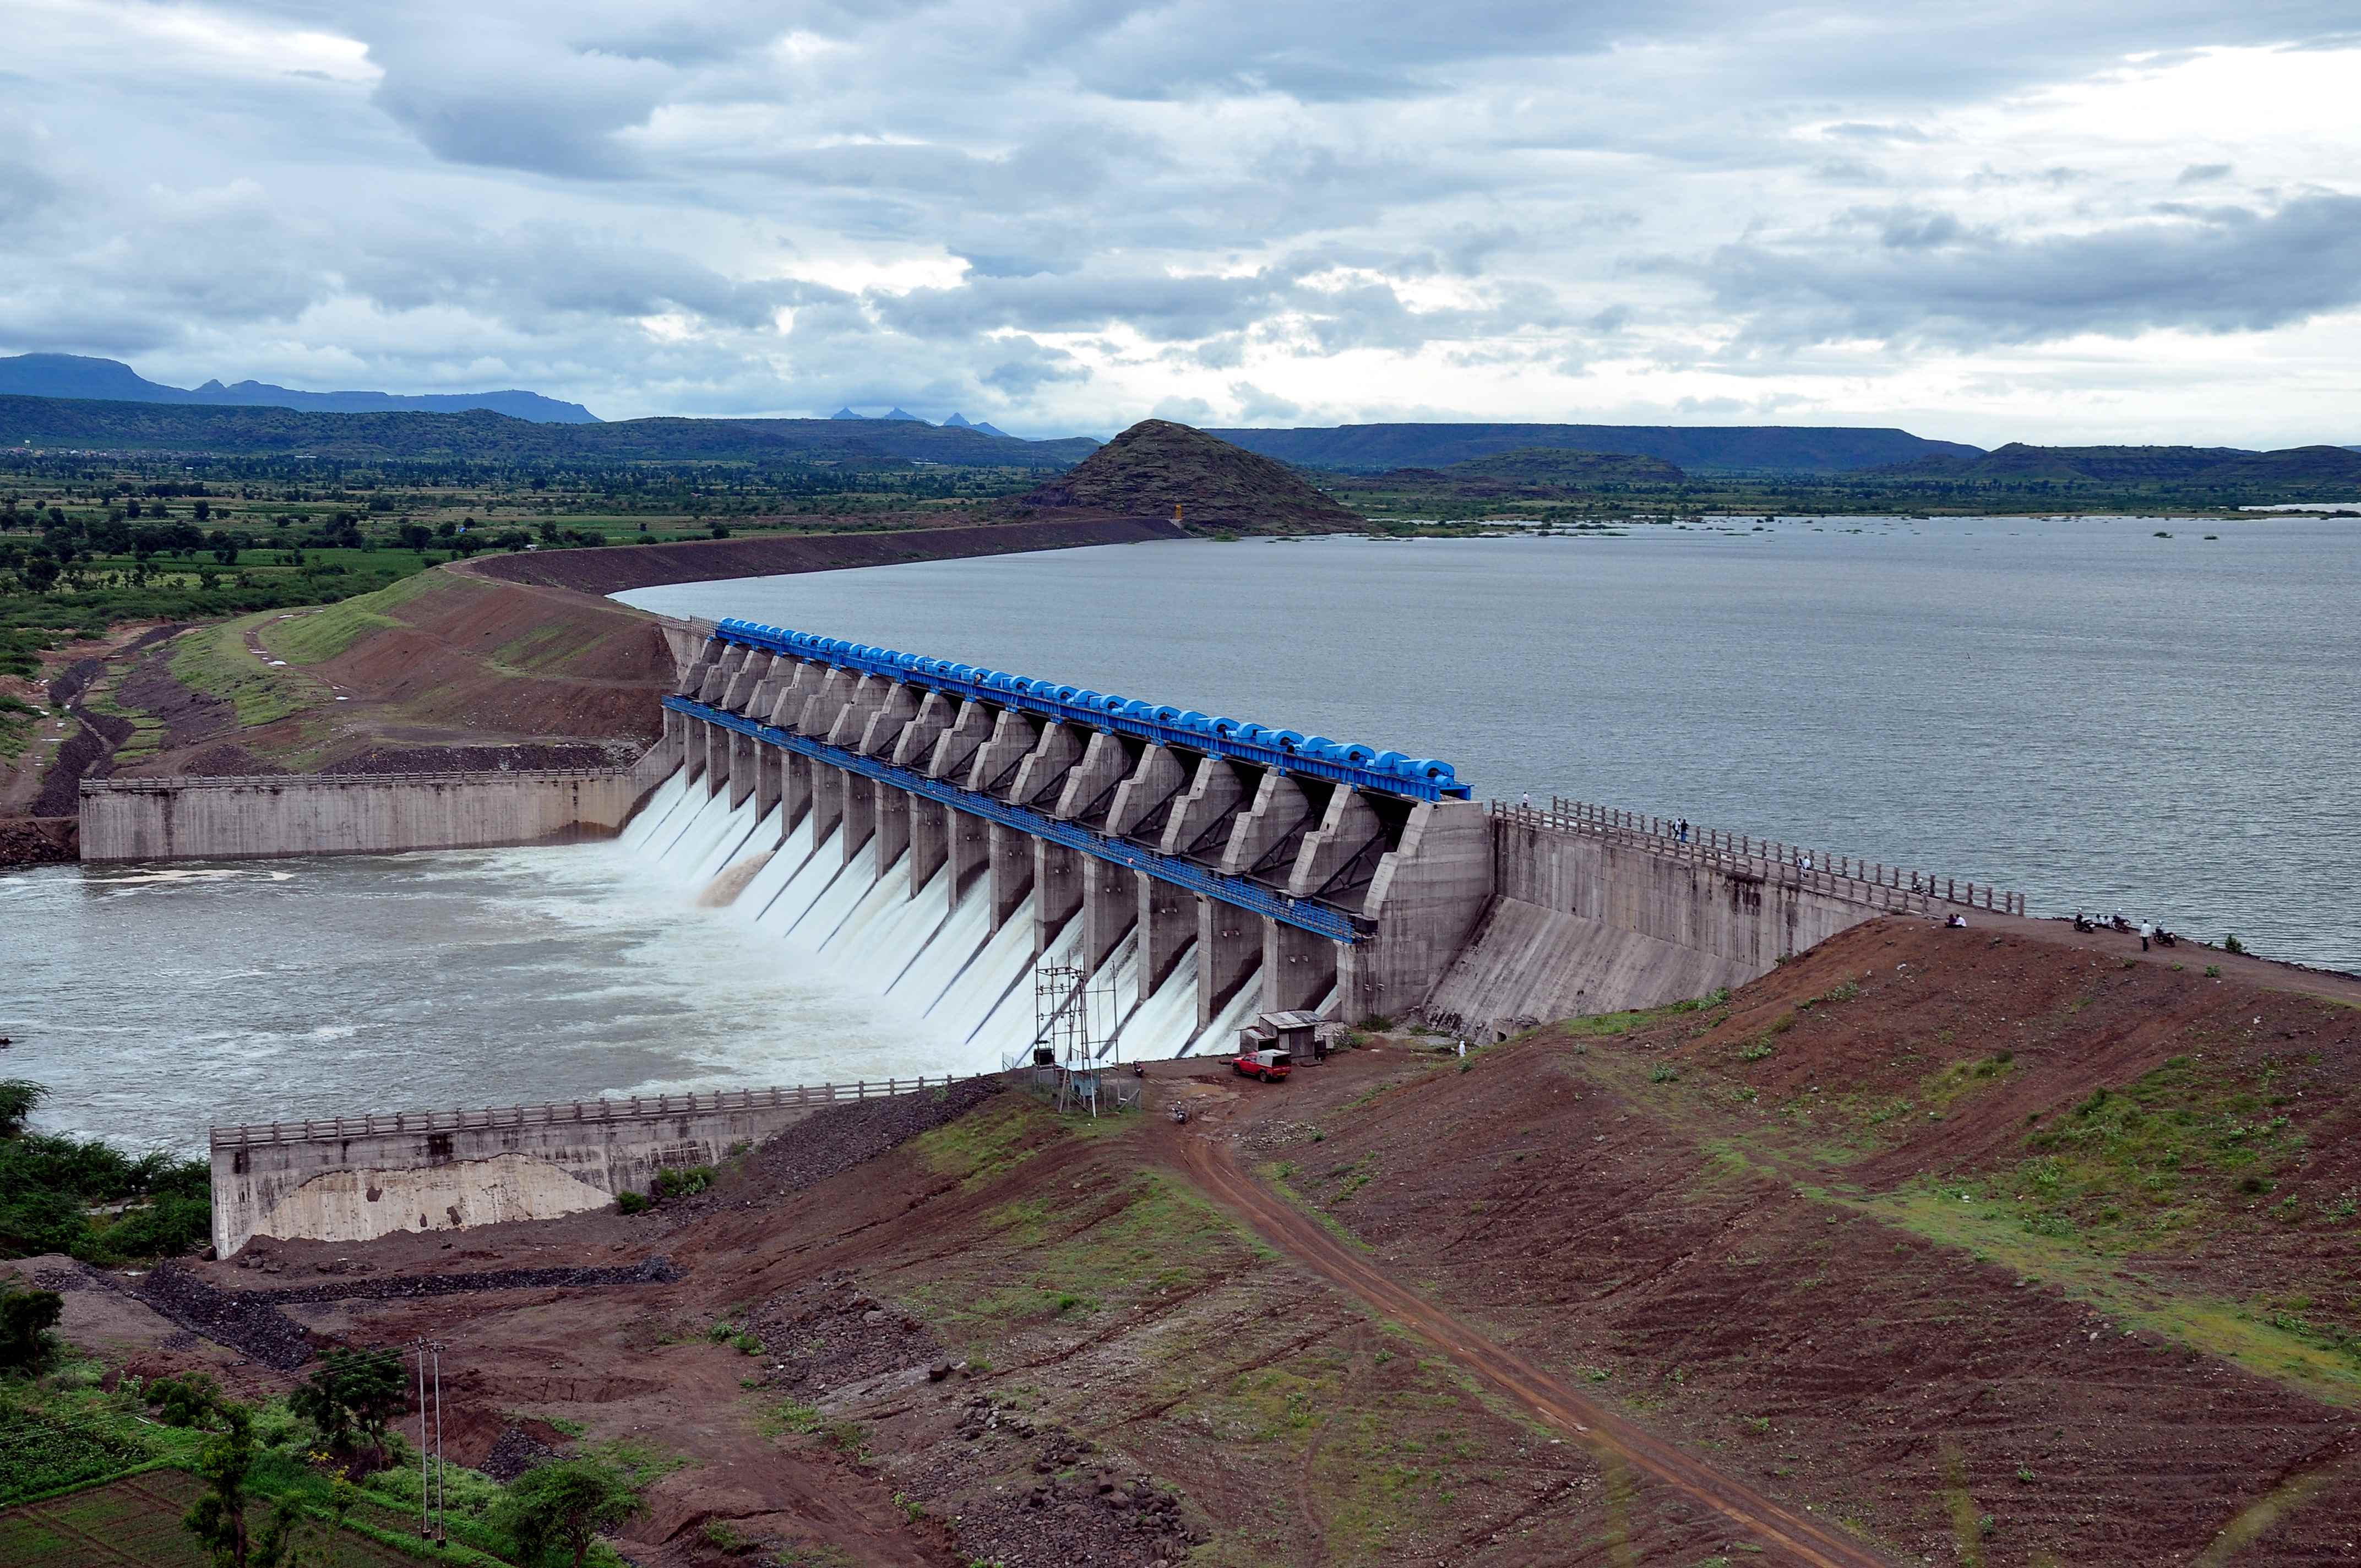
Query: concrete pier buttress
(1105,765)
(770,770)
(797,779)
(1012,870)
(1168,927)
(893,827)
(827,801)
(1057,890)
(234,818)
(1429,894)
(955,749)
(1041,781)
(1110,909)
(1299,968)
(1229,945)
(1280,807)
(914,747)
(742,767)
(860,814)
(970,853)
(930,846)
(1214,794)
(1160,775)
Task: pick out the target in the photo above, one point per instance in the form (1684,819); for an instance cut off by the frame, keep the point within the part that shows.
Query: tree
(202,510)
(218,1519)
(18,1098)
(560,1508)
(354,1392)
(416,536)
(25,1319)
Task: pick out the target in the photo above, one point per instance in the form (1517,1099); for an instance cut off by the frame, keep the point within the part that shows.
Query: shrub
(25,1319)
(185,1400)
(1664,1073)
(352,1399)
(2230,944)
(681,1182)
(632,1202)
(554,1511)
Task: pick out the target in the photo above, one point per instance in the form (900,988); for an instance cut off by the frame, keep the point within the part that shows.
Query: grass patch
(214,660)
(316,638)
(1163,1239)
(985,1142)
(2282,1346)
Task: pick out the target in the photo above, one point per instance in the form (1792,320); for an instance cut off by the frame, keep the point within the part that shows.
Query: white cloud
(1986,222)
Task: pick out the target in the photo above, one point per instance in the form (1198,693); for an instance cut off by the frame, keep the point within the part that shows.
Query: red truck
(1265,1065)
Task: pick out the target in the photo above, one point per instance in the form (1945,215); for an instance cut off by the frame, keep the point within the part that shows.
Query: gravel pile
(239,1319)
(514,1453)
(830,1332)
(1075,1512)
(832,1141)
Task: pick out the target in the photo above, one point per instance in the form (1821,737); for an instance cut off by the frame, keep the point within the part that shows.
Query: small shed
(1297,1033)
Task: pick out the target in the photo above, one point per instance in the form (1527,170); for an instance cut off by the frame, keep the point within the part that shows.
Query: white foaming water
(949,950)
(926,965)
(339,985)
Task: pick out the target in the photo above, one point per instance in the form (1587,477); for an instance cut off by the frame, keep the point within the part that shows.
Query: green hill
(1157,466)
(2296,470)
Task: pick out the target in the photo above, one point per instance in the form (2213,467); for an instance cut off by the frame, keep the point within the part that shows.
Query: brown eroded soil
(1622,1291)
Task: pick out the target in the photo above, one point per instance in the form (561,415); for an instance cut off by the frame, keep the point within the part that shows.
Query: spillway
(943,966)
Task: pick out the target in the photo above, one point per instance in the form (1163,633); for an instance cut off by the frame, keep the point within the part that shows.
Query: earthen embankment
(619,568)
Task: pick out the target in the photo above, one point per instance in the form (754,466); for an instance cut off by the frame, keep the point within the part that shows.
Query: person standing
(2147,929)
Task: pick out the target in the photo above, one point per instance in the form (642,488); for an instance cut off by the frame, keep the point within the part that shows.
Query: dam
(950,831)
(943,839)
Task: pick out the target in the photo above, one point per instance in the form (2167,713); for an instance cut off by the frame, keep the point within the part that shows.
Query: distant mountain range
(2176,465)
(482,436)
(957,421)
(1758,449)
(74,376)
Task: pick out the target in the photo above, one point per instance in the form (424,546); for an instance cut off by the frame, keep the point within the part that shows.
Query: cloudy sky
(2109,219)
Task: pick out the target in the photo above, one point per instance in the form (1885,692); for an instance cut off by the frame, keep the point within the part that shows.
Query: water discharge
(937,966)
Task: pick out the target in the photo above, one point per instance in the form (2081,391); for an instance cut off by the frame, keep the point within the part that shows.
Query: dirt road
(1209,1164)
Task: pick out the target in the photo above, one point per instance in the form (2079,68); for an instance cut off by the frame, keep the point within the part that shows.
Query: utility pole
(420,1345)
(430,1450)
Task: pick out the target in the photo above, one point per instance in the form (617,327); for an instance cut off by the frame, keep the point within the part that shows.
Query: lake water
(2078,709)
(2075,708)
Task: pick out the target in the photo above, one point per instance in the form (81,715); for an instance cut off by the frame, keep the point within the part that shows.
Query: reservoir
(2078,708)
(2075,708)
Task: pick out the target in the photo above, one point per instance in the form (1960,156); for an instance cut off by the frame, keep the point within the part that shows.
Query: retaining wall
(1600,911)
(352,1179)
(235,818)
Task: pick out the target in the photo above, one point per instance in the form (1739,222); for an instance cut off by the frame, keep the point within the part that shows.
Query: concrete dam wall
(352,1179)
(238,818)
(1599,911)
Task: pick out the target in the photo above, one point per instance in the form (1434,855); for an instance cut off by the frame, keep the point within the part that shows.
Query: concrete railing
(314,780)
(1848,877)
(637,1108)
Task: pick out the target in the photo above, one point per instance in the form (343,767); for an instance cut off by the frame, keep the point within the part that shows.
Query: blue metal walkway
(1318,918)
